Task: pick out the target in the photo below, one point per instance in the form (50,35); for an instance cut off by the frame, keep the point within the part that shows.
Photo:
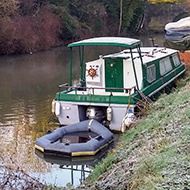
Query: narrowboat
(111,86)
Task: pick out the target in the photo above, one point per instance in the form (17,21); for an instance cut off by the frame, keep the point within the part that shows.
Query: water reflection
(75,169)
(28,84)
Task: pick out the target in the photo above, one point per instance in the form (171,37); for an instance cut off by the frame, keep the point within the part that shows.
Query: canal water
(28,84)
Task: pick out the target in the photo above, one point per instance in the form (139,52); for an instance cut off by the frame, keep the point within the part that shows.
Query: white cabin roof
(108,41)
(148,54)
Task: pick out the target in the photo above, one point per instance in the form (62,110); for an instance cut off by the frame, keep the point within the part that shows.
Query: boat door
(114,74)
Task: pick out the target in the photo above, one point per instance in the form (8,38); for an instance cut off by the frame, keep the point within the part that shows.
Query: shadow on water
(28,84)
(77,168)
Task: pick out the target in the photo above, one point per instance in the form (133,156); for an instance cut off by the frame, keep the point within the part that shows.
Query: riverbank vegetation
(32,25)
(167,1)
(154,153)
(18,179)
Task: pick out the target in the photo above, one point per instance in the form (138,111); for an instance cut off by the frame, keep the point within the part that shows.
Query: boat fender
(128,119)
(123,127)
(53,106)
(57,108)
(109,113)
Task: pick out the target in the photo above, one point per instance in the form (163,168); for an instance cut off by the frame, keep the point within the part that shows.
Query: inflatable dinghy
(81,139)
(69,160)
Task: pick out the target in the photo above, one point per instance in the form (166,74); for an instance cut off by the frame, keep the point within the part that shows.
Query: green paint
(144,73)
(134,69)
(71,66)
(100,99)
(81,54)
(114,74)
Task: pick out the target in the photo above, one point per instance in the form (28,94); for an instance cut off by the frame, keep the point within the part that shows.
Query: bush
(29,33)
(8,7)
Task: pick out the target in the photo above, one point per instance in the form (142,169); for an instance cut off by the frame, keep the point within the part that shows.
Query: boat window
(165,66)
(175,59)
(151,73)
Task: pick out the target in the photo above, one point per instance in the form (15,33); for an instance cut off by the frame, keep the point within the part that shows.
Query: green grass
(162,140)
(101,168)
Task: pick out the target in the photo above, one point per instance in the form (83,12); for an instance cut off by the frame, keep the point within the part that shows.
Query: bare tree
(121,16)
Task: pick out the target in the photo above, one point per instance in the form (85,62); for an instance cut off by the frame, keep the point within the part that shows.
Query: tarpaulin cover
(181,44)
(177,34)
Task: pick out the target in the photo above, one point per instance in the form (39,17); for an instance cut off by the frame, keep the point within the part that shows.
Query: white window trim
(165,71)
(153,79)
(179,62)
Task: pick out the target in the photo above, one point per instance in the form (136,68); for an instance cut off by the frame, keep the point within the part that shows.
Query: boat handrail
(79,88)
(63,85)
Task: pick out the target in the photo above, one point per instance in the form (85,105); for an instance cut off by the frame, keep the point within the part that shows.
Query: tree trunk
(121,15)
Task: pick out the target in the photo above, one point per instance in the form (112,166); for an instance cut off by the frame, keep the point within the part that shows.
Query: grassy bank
(153,154)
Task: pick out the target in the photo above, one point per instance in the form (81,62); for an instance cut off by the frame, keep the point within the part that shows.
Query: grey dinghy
(63,160)
(54,142)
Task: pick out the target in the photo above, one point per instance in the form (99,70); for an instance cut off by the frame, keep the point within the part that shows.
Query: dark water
(28,84)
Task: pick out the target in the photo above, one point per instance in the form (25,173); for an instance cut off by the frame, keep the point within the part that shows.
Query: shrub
(8,7)
(29,33)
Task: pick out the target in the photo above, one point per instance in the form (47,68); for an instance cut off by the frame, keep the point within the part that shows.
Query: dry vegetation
(28,34)
(26,27)
(167,1)
(34,25)
(18,179)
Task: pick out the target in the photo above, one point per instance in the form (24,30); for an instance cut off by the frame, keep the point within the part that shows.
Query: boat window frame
(177,56)
(152,78)
(166,70)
